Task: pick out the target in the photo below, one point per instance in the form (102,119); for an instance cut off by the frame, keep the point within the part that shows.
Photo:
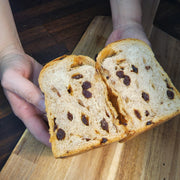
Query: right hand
(19,78)
(133,30)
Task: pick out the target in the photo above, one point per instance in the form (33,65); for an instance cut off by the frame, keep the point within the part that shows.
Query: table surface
(48,29)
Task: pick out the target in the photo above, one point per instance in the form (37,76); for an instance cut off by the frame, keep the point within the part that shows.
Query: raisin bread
(142,92)
(79,113)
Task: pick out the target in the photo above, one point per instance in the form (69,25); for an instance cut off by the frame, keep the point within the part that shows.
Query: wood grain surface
(150,156)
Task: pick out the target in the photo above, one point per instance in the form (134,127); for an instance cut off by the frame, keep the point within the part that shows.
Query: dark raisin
(148,123)
(145,96)
(170,94)
(60,134)
(104,140)
(146,113)
(104,125)
(127,80)
(147,67)
(107,77)
(86,85)
(120,74)
(86,94)
(137,113)
(85,120)
(134,69)
(77,76)
(69,116)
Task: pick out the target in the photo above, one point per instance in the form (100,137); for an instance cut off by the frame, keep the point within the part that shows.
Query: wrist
(11,49)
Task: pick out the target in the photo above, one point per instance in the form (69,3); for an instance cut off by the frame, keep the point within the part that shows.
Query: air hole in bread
(107,114)
(77,76)
(137,113)
(55,125)
(104,125)
(87,139)
(153,86)
(85,119)
(97,132)
(56,91)
(144,61)
(137,84)
(70,91)
(80,103)
(148,67)
(69,116)
(118,62)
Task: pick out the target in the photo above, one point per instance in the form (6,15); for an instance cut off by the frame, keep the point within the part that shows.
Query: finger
(30,117)
(24,88)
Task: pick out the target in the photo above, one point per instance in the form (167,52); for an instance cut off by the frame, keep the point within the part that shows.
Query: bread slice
(79,113)
(143,94)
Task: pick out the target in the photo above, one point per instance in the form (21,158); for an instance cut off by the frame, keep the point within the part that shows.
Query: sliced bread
(143,94)
(79,113)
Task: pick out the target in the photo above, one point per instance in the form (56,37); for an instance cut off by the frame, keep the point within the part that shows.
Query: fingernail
(41,106)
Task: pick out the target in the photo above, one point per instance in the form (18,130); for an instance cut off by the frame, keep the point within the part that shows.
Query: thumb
(24,88)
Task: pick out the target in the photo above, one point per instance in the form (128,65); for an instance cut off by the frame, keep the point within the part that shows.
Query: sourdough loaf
(79,113)
(142,92)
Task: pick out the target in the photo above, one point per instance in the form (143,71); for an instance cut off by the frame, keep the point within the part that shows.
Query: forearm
(9,39)
(125,12)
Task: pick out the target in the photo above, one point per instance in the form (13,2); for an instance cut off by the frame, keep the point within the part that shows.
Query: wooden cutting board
(150,156)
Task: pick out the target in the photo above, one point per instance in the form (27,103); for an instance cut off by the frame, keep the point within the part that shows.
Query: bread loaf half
(79,113)
(143,94)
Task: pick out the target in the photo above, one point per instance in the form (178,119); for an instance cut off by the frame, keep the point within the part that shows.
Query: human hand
(19,78)
(134,30)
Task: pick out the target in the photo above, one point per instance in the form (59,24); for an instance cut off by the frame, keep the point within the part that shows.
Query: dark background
(50,28)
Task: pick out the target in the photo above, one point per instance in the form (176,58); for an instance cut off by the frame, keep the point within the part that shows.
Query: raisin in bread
(143,94)
(79,113)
